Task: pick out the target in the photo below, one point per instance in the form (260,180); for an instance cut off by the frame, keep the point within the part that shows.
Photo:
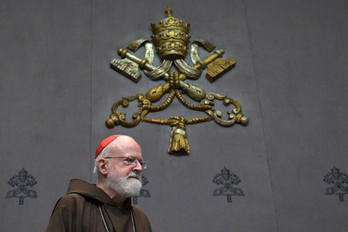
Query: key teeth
(126,68)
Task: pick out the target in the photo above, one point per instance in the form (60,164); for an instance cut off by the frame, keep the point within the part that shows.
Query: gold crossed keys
(171,40)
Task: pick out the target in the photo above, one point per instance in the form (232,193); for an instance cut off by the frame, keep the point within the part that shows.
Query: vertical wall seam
(91,94)
(261,115)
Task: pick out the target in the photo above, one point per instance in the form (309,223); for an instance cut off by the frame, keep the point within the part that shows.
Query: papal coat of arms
(21,183)
(171,40)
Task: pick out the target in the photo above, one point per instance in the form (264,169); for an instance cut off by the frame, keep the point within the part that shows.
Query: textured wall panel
(57,89)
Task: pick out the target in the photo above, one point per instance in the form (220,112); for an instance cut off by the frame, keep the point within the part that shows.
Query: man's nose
(138,166)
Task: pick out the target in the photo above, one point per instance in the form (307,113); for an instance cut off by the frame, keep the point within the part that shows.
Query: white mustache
(134,175)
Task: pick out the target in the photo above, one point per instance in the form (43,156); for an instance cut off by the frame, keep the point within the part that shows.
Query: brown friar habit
(79,211)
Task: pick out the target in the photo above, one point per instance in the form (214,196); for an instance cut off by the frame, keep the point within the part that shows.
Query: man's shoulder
(70,200)
(139,212)
(69,197)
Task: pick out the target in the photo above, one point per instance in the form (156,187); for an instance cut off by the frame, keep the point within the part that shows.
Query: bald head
(117,146)
(122,146)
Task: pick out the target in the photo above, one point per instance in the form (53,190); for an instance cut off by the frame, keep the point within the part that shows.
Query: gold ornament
(171,39)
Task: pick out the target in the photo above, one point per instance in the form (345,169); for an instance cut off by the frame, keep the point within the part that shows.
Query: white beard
(124,186)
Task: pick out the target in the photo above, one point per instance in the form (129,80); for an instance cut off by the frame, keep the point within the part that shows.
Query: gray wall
(57,90)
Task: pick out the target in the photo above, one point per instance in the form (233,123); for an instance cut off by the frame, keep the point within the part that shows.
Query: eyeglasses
(130,161)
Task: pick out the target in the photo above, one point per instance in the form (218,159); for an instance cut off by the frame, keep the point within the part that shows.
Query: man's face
(124,179)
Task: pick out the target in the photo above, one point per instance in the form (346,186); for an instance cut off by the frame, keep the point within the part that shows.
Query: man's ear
(102,166)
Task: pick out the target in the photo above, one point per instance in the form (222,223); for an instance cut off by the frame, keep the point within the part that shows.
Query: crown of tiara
(171,37)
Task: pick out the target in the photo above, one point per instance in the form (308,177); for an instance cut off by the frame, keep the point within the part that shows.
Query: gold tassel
(178,141)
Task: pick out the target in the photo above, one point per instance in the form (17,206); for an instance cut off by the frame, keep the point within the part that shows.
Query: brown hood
(94,193)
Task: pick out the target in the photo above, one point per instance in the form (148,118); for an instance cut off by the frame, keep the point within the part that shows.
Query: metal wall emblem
(338,179)
(143,192)
(171,40)
(21,182)
(227,180)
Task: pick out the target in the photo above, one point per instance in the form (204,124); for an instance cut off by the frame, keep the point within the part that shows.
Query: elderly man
(107,205)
